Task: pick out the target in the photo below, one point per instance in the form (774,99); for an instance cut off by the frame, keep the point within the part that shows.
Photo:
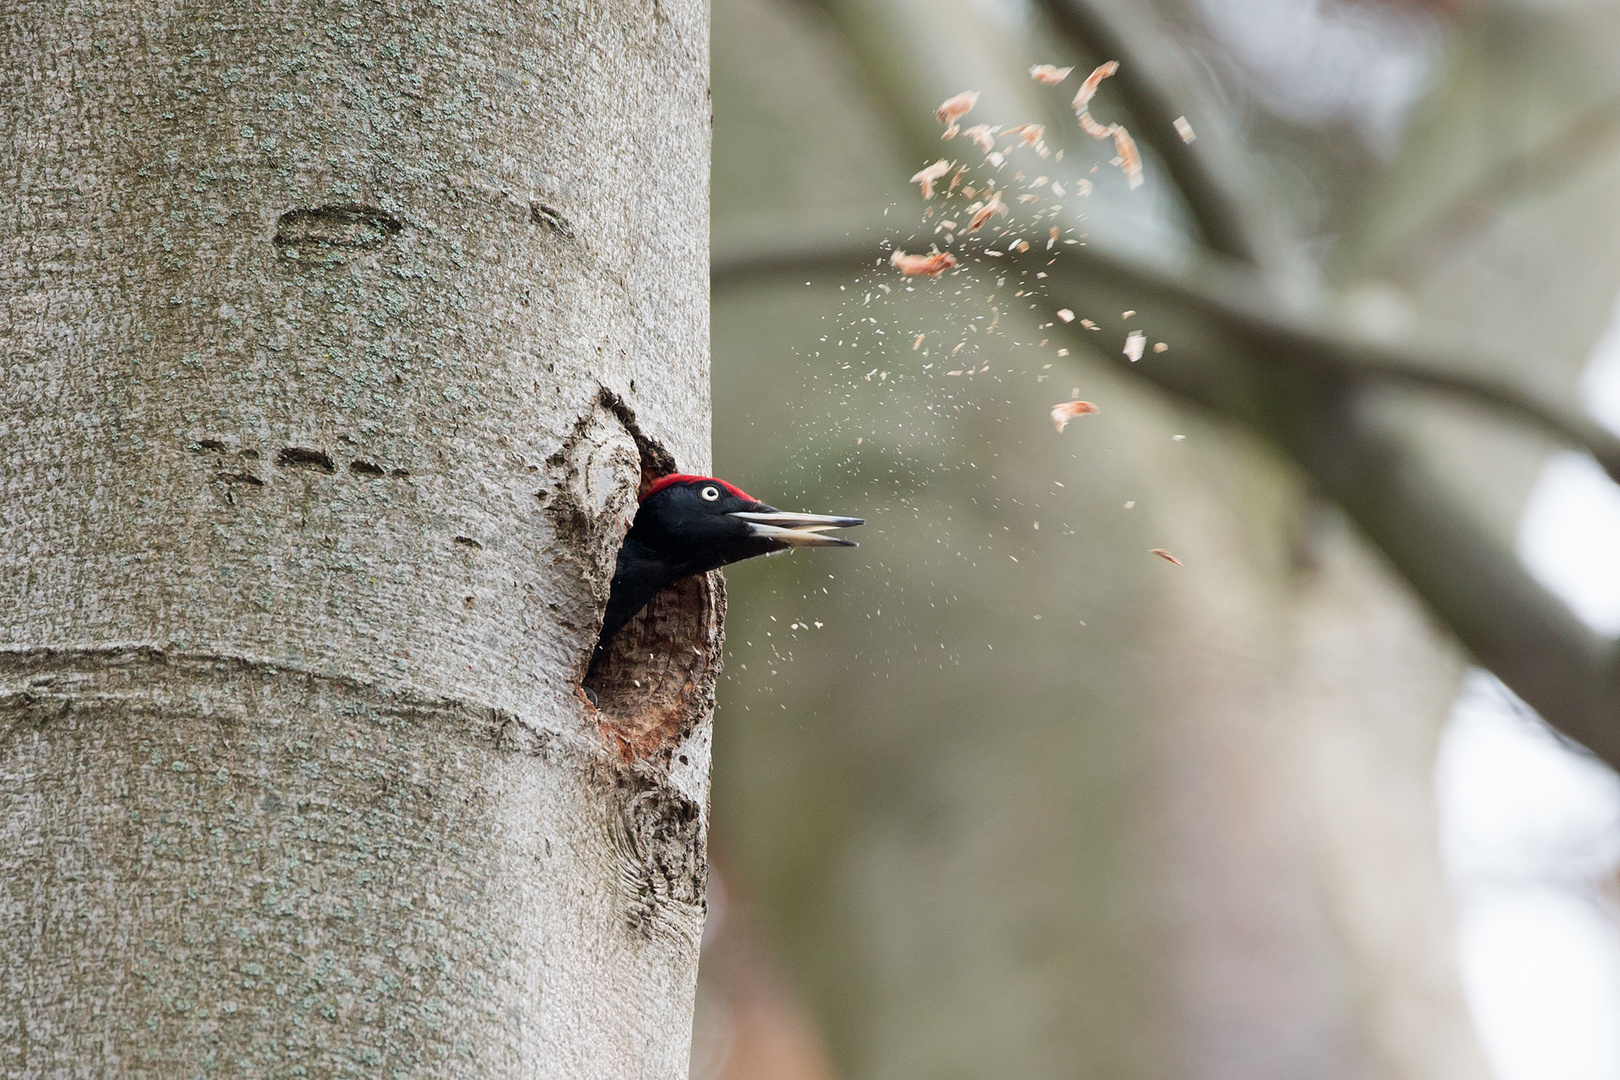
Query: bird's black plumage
(690,525)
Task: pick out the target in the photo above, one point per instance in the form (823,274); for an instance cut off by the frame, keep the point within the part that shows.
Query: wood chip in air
(1029,134)
(1184,129)
(1165,555)
(1134,343)
(953,109)
(1126,155)
(927,177)
(1128,158)
(930,265)
(1065,314)
(1070,410)
(981,135)
(1049,74)
(1088,90)
(990,209)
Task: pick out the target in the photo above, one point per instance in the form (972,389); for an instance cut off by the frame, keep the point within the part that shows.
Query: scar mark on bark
(467,541)
(658,836)
(655,460)
(225,474)
(344,225)
(545,214)
(365,468)
(298,457)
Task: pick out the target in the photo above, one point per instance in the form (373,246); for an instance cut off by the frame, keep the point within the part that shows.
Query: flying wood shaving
(1165,555)
(953,109)
(1046,73)
(1129,159)
(1134,343)
(1160,346)
(1094,129)
(989,210)
(983,136)
(1088,90)
(1184,129)
(1069,410)
(930,265)
(1065,314)
(1052,238)
(1088,324)
(1028,198)
(1030,134)
(1124,146)
(927,177)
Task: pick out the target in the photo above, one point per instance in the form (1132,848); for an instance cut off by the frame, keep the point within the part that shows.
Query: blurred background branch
(1299,378)
(1008,795)
(1150,90)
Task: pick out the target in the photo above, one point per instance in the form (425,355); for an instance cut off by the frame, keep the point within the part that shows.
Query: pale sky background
(1530,826)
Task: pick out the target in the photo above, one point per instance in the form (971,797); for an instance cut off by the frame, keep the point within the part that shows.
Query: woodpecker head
(689,525)
(698,518)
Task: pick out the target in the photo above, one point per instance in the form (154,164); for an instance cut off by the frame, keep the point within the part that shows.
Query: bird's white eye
(711,493)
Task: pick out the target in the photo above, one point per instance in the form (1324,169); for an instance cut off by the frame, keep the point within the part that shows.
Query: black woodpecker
(690,525)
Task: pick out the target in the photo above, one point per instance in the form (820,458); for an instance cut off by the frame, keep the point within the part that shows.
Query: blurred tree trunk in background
(1087,813)
(336,339)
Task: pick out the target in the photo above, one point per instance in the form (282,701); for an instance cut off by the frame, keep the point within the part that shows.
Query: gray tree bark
(336,339)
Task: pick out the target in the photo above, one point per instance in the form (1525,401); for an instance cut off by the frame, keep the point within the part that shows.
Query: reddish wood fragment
(1070,410)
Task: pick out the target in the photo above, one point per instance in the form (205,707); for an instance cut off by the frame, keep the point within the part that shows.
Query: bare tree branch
(1326,398)
(1232,300)
(1142,82)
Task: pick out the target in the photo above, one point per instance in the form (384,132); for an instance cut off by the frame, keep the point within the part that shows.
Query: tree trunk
(336,340)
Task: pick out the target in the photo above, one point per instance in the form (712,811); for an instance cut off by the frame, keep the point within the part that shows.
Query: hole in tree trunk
(658,679)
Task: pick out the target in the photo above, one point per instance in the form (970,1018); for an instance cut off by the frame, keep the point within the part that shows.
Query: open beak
(799,530)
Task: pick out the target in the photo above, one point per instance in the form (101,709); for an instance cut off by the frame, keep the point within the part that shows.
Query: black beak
(799,530)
